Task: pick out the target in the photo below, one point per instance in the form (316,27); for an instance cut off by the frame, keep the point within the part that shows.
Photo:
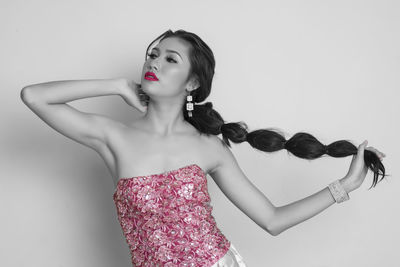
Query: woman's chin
(148,84)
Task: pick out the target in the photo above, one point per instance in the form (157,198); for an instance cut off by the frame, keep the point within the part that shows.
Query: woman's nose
(154,64)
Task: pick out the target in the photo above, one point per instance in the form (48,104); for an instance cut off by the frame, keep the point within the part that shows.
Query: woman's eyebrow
(168,50)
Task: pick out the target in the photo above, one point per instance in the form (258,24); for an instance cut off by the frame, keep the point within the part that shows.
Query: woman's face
(169,61)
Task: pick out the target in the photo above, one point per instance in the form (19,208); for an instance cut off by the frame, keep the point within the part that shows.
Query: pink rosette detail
(186,191)
(158,237)
(202,197)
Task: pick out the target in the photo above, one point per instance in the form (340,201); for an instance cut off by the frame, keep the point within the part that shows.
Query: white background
(329,68)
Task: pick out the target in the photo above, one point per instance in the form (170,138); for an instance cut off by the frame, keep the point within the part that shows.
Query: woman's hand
(133,95)
(358,170)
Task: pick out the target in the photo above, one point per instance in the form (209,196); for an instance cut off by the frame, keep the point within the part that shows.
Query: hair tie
(220,127)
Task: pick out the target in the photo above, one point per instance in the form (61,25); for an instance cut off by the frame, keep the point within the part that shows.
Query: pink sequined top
(166,219)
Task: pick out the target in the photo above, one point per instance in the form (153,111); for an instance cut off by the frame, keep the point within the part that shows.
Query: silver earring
(189,105)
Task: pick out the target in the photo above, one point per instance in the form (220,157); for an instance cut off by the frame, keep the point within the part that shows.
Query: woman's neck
(164,118)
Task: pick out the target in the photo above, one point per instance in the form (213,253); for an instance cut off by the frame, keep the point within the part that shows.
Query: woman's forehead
(175,44)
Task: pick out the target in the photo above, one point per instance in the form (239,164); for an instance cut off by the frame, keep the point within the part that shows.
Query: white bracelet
(338,192)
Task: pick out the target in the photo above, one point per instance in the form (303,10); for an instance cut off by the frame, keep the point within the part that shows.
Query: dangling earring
(189,105)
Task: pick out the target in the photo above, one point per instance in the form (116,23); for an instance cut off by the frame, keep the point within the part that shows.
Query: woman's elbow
(275,225)
(275,232)
(272,231)
(25,94)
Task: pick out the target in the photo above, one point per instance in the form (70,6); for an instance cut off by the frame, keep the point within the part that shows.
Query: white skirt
(232,258)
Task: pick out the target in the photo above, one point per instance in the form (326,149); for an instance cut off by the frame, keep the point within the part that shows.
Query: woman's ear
(194,83)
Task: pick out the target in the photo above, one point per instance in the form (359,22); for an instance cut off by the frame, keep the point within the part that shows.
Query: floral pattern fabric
(166,219)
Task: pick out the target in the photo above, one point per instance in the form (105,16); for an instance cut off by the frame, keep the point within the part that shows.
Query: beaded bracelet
(338,192)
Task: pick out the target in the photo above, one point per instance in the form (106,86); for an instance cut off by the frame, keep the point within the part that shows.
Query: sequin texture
(166,219)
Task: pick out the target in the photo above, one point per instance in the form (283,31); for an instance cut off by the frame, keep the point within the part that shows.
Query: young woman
(159,162)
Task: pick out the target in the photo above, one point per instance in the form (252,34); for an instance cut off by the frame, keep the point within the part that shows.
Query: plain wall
(329,68)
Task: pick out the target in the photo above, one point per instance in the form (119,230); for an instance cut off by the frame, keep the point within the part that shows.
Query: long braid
(303,145)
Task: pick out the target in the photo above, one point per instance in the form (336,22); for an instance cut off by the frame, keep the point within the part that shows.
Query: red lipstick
(150,76)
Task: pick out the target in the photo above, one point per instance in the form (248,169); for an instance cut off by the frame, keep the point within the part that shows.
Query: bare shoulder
(214,141)
(218,150)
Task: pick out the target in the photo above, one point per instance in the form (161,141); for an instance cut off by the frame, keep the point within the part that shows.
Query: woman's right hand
(133,95)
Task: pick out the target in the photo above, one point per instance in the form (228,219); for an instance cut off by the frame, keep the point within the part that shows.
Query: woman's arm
(251,201)
(47,101)
(58,92)
(301,210)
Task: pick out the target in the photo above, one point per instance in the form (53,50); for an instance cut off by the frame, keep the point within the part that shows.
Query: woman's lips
(150,76)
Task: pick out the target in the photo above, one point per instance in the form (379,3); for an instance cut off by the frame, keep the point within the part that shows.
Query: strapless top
(166,219)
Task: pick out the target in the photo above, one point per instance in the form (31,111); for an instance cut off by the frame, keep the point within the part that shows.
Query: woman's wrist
(121,86)
(340,189)
(347,185)
(118,85)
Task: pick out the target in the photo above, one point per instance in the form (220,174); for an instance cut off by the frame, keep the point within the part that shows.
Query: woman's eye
(170,59)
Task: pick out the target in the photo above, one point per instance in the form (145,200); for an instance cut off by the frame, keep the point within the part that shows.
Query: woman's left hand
(358,170)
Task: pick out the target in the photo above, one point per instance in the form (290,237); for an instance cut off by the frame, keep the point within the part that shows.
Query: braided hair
(209,122)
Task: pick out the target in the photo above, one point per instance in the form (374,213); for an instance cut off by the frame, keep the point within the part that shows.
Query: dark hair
(208,121)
